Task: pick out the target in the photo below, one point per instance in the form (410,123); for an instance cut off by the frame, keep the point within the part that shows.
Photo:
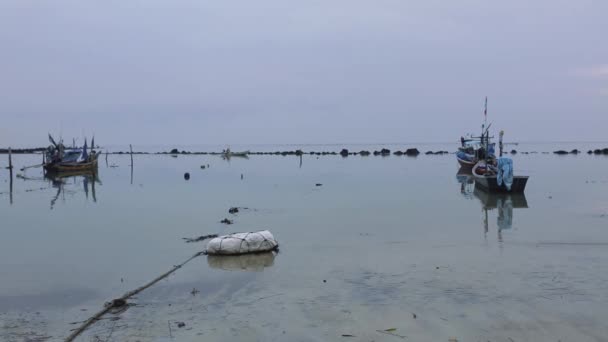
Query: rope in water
(126,296)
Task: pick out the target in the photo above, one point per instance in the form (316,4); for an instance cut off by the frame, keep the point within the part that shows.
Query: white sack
(242,243)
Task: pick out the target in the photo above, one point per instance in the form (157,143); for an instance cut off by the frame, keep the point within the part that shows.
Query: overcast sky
(314,71)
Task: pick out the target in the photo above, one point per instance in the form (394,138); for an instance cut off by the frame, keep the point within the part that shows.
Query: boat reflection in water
(70,182)
(244,262)
(467,182)
(504,203)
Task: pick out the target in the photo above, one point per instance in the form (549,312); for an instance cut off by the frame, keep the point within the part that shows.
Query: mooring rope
(122,300)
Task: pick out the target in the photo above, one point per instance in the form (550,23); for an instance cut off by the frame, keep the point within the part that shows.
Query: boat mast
(500,141)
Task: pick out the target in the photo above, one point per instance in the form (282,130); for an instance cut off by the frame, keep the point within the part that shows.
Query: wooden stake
(131,148)
(10,159)
(10,171)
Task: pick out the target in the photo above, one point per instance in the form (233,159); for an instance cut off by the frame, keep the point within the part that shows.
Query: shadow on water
(69,183)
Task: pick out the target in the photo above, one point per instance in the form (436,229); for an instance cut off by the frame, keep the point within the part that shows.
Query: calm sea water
(382,239)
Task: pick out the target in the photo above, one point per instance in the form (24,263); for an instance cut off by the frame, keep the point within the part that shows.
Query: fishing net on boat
(242,243)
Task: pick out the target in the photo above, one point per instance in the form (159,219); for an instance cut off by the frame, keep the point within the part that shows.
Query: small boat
(59,158)
(229,154)
(473,149)
(465,159)
(486,178)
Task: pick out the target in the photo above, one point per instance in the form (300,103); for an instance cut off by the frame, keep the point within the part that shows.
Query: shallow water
(382,239)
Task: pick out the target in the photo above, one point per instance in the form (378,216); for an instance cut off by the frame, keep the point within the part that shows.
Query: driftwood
(200,238)
(122,301)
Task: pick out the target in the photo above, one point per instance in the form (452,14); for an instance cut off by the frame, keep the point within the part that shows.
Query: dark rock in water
(561,152)
(299,152)
(181,324)
(364,153)
(575,151)
(513,152)
(412,152)
(598,151)
(226,221)
(233,210)
(429,152)
(333,153)
(605,151)
(116,303)
(318,184)
(383,152)
(344,152)
(203,167)
(398,153)
(174,151)
(186,176)
(23,150)
(589,152)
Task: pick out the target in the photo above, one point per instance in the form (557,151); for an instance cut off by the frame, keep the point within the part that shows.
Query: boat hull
(465,163)
(72,167)
(490,184)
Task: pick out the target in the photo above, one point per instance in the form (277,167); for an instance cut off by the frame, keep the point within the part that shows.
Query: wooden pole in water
(10,171)
(131,148)
(106,158)
(10,159)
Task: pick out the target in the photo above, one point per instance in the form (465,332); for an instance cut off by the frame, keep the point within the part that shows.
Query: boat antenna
(485,112)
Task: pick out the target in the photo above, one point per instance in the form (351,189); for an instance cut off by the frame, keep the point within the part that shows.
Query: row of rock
(343,152)
(562,152)
(382,152)
(575,151)
(22,150)
(598,151)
